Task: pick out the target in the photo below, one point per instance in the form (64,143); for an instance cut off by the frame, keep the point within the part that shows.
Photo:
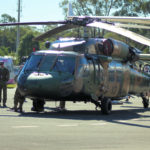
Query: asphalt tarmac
(80,127)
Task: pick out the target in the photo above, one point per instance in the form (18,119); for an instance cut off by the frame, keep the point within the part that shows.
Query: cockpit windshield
(44,63)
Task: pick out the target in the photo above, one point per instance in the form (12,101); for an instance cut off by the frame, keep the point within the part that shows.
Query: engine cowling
(115,48)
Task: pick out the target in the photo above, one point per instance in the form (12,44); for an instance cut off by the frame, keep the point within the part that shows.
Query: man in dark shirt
(4,77)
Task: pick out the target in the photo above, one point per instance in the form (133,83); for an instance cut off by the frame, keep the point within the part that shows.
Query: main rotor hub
(82,21)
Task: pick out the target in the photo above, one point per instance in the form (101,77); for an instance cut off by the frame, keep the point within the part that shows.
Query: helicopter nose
(48,85)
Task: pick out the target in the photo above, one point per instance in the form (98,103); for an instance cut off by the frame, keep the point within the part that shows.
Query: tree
(3,51)
(90,7)
(27,45)
(132,8)
(8,37)
(108,7)
(7,18)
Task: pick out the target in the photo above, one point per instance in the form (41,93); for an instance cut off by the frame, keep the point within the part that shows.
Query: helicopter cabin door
(114,79)
(118,80)
(94,76)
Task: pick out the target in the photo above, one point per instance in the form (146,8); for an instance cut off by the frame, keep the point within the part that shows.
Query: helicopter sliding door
(117,81)
(122,79)
(112,80)
(90,72)
(95,77)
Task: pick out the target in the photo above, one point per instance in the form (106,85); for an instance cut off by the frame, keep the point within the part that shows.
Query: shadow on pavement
(123,117)
(117,116)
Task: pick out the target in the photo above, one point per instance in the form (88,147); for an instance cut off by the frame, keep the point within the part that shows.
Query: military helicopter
(95,70)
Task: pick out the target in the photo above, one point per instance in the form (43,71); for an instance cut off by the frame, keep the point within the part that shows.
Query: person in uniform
(4,77)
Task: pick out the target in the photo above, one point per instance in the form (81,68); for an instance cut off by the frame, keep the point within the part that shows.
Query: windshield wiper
(40,62)
(54,63)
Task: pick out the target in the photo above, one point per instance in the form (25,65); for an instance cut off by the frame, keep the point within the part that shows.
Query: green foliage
(7,18)
(132,8)
(3,51)
(27,45)
(89,7)
(8,38)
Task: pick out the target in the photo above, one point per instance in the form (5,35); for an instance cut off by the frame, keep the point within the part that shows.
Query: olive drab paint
(102,72)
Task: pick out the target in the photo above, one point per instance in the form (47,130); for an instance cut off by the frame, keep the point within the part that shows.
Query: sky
(33,10)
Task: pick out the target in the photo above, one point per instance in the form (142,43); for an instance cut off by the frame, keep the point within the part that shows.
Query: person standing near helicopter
(4,77)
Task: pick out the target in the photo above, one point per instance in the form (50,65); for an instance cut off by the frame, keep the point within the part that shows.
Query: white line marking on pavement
(122,120)
(67,125)
(24,126)
(98,124)
(136,119)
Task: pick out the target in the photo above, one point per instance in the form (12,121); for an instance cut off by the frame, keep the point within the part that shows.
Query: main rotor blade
(33,23)
(131,26)
(137,20)
(131,35)
(54,31)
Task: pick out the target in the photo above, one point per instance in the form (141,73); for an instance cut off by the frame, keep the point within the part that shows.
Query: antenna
(18,29)
(70,11)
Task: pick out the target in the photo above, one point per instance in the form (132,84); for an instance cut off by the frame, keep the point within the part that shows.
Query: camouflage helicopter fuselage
(80,70)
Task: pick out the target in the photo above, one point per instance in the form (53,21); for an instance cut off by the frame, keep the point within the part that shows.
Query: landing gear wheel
(145,102)
(38,105)
(106,106)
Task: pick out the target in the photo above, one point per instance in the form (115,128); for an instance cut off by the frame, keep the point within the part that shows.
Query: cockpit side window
(33,63)
(65,64)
